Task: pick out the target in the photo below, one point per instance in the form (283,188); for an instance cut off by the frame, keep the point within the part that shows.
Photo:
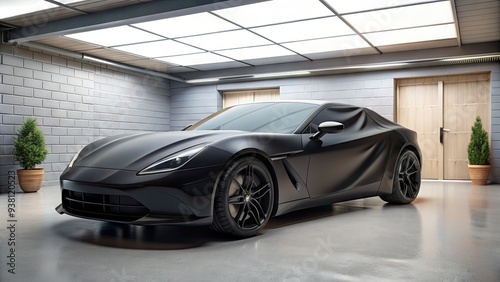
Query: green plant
(479,148)
(29,145)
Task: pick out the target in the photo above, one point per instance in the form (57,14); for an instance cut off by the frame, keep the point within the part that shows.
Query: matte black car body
(105,182)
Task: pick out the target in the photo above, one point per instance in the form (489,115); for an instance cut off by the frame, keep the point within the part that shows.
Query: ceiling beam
(147,11)
(457,24)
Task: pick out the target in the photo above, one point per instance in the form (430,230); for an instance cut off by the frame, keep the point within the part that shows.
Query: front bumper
(115,205)
(141,200)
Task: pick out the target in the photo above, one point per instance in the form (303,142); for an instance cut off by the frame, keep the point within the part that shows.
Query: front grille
(101,206)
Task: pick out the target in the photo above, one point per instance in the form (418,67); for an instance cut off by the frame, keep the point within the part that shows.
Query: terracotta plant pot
(479,174)
(30,180)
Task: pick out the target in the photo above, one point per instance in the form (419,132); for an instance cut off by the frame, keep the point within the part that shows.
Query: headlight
(172,162)
(70,165)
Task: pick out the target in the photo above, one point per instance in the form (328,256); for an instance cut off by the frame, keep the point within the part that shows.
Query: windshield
(283,117)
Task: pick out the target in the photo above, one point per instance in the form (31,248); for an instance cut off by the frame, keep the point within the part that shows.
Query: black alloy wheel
(406,181)
(244,198)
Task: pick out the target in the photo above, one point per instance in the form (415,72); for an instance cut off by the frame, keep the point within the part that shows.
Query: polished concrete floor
(450,233)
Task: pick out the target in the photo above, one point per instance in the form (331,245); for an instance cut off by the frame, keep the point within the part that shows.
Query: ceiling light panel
(273,12)
(404,17)
(304,30)
(10,9)
(194,24)
(226,40)
(66,2)
(195,59)
(328,44)
(352,6)
(115,36)
(159,49)
(412,35)
(259,52)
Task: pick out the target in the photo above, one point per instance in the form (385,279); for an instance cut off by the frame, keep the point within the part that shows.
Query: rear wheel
(406,181)
(244,198)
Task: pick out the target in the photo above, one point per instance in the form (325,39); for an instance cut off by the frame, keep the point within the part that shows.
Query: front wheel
(244,198)
(406,183)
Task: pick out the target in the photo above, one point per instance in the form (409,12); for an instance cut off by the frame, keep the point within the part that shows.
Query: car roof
(316,102)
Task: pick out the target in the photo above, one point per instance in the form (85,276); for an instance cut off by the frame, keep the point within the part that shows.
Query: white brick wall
(75,103)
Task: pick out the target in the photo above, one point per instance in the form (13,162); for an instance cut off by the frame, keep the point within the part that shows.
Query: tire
(406,183)
(244,198)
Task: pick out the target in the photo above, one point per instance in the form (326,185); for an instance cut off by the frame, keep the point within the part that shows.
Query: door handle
(441,134)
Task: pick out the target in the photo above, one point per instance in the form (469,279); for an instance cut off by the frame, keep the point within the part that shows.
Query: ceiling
(202,39)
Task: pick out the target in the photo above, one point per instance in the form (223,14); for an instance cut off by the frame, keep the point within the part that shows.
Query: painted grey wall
(374,90)
(75,103)
(191,104)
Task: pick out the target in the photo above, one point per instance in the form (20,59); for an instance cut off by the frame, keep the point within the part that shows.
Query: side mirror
(327,127)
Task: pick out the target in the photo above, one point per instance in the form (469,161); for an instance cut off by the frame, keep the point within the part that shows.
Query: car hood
(136,151)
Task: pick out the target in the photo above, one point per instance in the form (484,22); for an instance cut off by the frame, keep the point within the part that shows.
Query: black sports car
(240,166)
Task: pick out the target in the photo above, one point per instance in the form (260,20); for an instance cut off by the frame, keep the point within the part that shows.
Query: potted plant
(30,151)
(479,154)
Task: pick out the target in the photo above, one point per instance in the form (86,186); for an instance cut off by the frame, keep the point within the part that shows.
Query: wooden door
(418,109)
(449,102)
(466,97)
(232,98)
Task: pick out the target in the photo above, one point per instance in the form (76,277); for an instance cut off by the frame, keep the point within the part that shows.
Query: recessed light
(327,44)
(225,40)
(195,59)
(405,17)
(20,7)
(305,30)
(115,36)
(273,12)
(202,80)
(159,49)
(281,74)
(189,25)
(412,35)
(259,52)
(352,6)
